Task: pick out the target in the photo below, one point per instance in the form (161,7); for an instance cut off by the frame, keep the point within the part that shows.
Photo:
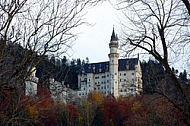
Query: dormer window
(127,66)
(100,70)
(93,68)
(106,67)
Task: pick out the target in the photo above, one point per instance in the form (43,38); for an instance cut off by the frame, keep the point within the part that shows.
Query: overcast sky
(93,42)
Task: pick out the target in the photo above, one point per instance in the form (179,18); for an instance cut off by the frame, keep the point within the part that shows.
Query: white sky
(93,42)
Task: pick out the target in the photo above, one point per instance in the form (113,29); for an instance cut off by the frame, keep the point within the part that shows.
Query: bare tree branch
(159,27)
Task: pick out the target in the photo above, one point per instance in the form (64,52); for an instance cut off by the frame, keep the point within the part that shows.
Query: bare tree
(34,28)
(161,29)
(187,5)
(31,29)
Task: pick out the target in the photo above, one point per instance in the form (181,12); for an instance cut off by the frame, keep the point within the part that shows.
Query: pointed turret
(113,42)
(113,36)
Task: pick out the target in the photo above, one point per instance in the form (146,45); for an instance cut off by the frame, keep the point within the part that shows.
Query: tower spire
(113,36)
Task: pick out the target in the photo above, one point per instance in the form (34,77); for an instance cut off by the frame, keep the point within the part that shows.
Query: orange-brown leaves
(96,97)
(136,106)
(33,112)
(44,98)
(72,113)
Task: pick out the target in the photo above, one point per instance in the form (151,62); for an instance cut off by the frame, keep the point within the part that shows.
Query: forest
(97,110)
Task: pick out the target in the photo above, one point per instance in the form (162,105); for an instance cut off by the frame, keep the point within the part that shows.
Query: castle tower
(113,64)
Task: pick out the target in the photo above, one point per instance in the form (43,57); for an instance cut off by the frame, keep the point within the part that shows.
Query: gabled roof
(103,67)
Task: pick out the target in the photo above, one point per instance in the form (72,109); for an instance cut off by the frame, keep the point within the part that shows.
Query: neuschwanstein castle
(120,77)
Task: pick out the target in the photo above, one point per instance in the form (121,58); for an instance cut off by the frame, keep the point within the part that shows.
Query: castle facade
(119,77)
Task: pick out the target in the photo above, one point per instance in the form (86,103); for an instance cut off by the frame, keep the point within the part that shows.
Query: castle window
(96,77)
(132,85)
(94,88)
(103,76)
(120,80)
(124,74)
(115,73)
(107,81)
(89,80)
(133,74)
(124,79)
(84,88)
(120,74)
(107,75)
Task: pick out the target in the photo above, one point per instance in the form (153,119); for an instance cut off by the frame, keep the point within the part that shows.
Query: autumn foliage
(96,110)
(13,108)
(42,110)
(139,110)
(96,97)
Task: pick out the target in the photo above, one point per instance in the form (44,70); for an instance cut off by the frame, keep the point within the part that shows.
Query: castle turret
(113,64)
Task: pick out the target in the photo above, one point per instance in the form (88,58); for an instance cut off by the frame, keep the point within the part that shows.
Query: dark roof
(100,67)
(103,67)
(124,62)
